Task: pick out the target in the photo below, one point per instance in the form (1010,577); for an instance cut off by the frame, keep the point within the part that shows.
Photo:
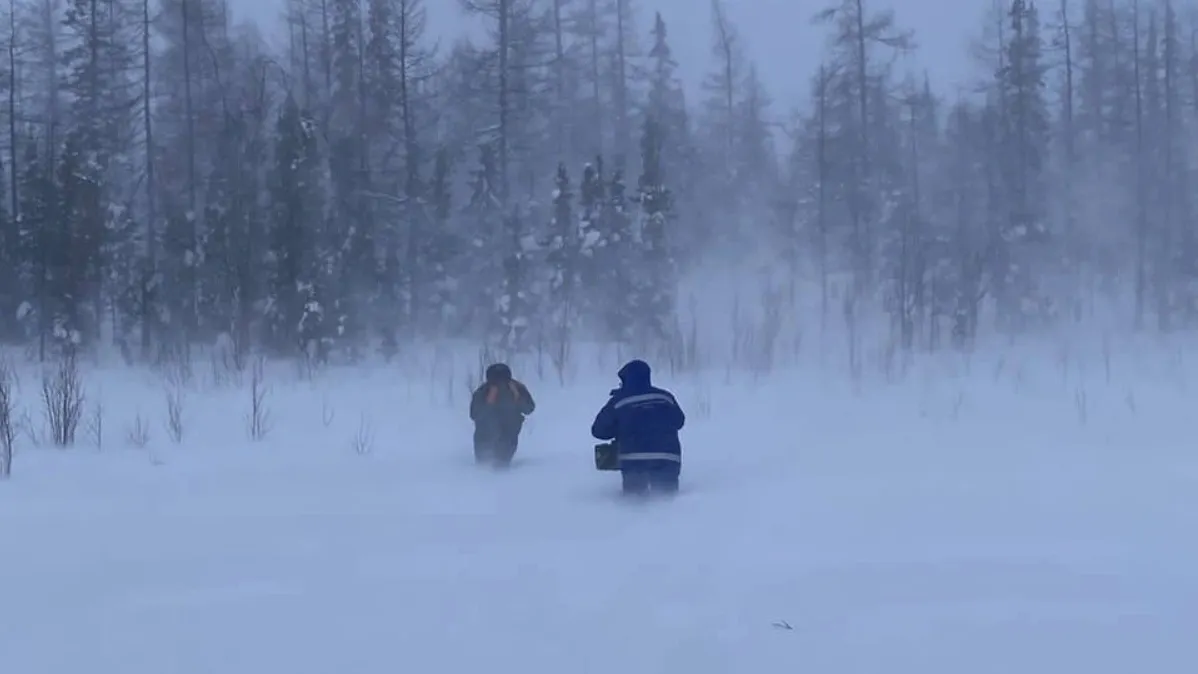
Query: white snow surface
(1024,513)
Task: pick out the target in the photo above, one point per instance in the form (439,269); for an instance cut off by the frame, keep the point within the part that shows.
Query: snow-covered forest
(169,181)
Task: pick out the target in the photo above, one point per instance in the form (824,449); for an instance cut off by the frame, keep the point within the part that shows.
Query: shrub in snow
(8,426)
(258,418)
(62,399)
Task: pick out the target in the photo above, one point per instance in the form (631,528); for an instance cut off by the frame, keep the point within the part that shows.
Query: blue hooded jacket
(643,421)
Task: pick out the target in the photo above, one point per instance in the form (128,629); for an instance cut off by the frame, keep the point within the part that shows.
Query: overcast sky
(776,33)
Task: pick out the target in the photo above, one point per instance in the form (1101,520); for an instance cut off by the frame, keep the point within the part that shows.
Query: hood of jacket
(636,375)
(498,373)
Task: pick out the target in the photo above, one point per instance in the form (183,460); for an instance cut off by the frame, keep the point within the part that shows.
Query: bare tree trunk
(861,216)
(405,102)
(1170,170)
(299,50)
(189,284)
(1141,177)
(1070,126)
(326,47)
(1069,130)
(559,78)
(13,149)
(504,112)
(620,95)
(93,55)
(822,200)
(596,89)
(53,115)
(1194,69)
(411,160)
(727,66)
(307,63)
(148,319)
(911,270)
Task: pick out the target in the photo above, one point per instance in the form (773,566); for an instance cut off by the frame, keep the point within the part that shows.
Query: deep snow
(1021,514)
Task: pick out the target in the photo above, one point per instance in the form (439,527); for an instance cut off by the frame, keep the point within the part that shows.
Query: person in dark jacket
(498,408)
(643,421)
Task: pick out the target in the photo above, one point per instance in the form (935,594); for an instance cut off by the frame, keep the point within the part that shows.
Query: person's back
(498,408)
(643,421)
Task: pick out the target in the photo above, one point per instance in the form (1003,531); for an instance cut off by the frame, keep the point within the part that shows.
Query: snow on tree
(654,272)
(297,251)
(563,253)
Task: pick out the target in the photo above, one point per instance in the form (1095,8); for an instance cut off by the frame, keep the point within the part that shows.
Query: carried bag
(513,389)
(607,456)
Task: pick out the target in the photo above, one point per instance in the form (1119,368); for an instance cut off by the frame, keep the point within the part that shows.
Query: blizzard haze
(991,514)
(778,35)
(936,348)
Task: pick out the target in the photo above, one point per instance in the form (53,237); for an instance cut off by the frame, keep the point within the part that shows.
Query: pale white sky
(777,33)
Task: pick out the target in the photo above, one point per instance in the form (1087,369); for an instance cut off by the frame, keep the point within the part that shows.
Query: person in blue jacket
(643,421)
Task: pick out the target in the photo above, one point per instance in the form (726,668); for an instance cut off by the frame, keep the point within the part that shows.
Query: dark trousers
(496,452)
(644,480)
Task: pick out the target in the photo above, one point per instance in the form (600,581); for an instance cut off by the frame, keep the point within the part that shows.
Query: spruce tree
(593,243)
(1022,161)
(483,270)
(82,229)
(517,296)
(444,245)
(562,260)
(296,247)
(41,245)
(655,283)
(619,262)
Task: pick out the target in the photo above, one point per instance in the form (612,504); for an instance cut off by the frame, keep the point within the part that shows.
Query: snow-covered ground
(1030,512)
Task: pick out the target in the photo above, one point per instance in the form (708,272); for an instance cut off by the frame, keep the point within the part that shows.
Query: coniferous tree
(168,174)
(483,263)
(299,276)
(655,282)
(444,248)
(593,246)
(617,261)
(516,304)
(562,259)
(1023,115)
